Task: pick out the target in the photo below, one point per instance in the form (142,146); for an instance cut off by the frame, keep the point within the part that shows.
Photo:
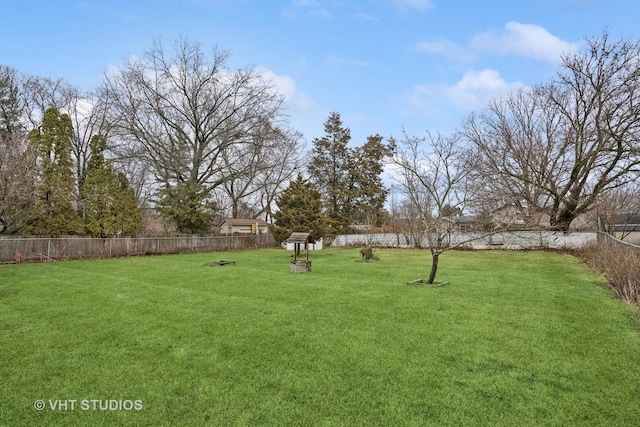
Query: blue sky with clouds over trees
(384,65)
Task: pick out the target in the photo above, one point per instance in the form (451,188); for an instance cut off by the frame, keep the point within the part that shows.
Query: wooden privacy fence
(16,250)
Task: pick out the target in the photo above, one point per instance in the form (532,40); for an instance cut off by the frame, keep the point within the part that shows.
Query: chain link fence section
(17,250)
(14,250)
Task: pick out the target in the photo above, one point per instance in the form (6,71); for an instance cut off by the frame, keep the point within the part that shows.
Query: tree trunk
(434,267)
(562,220)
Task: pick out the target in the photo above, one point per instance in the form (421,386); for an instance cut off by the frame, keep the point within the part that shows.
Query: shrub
(620,265)
(367,254)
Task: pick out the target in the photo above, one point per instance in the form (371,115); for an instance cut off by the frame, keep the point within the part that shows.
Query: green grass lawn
(515,338)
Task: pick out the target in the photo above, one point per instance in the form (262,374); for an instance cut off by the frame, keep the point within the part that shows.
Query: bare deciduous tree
(17,175)
(40,93)
(561,145)
(88,114)
(17,180)
(258,171)
(286,161)
(436,174)
(182,111)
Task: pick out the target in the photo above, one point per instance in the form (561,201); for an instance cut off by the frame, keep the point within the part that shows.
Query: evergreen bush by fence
(44,249)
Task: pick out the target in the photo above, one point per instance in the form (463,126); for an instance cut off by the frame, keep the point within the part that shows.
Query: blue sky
(384,65)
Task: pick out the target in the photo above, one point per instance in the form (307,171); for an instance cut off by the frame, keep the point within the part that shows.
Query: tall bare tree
(182,110)
(435,173)
(88,113)
(86,110)
(40,93)
(561,145)
(286,161)
(258,171)
(17,174)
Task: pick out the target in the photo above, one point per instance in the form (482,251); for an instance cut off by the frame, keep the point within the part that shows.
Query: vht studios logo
(88,405)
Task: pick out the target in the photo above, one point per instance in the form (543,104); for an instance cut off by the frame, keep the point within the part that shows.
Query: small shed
(243,226)
(299,264)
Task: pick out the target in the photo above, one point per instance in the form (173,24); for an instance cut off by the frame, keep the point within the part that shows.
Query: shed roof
(243,221)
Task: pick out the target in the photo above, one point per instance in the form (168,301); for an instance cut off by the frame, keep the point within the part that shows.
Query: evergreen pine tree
(349,179)
(299,210)
(329,170)
(128,214)
(187,205)
(54,212)
(368,191)
(109,203)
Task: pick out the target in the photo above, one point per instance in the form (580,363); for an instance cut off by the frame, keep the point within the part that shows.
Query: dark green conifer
(109,203)
(54,212)
(299,210)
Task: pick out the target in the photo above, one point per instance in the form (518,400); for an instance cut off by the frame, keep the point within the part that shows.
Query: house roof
(626,227)
(460,219)
(627,223)
(243,221)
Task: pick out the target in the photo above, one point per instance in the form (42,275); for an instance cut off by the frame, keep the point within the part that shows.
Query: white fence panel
(501,240)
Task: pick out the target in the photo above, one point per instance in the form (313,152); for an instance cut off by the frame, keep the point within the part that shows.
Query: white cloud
(420,5)
(286,85)
(366,17)
(446,48)
(314,7)
(84,107)
(471,92)
(527,40)
(477,87)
